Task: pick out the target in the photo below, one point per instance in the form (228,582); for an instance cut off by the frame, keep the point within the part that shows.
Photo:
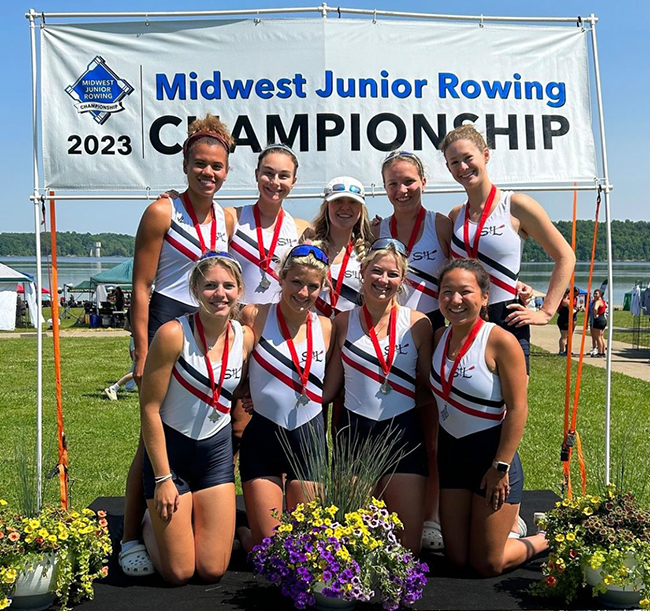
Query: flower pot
(35,585)
(617,597)
(325,603)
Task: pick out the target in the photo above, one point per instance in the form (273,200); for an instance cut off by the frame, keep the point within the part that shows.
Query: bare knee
(488,566)
(177,576)
(211,574)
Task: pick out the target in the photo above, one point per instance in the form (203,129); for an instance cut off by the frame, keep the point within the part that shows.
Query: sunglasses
(302,250)
(209,254)
(337,188)
(398,153)
(382,243)
(280,146)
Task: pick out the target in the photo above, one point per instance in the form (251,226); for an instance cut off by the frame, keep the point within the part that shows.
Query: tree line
(68,244)
(630,242)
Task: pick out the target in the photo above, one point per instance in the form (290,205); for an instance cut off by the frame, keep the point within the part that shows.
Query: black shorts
(497,313)
(463,462)
(162,309)
(437,320)
(600,322)
(195,464)
(262,454)
(407,426)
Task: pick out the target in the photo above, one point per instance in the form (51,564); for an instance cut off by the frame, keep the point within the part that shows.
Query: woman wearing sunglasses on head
(286,379)
(194,365)
(427,235)
(476,376)
(491,227)
(343,231)
(172,235)
(380,349)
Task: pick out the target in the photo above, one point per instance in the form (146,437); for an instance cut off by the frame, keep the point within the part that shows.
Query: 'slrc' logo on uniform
(99,91)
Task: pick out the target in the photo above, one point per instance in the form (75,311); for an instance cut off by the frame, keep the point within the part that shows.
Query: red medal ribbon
(472,251)
(385,364)
(216,392)
(213,224)
(304,374)
(335,293)
(414,233)
(447,383)
(265,261)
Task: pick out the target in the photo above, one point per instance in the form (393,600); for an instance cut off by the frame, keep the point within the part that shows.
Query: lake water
(72,270)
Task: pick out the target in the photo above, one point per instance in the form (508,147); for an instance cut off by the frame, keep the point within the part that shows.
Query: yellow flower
(3,502)
(332,509)
(299,516)
(570,537)
(559,537)
(43,533)
(608,580)
(588,511)
(644,603)
(4,602)
(34,524)
(285,528)
(9,576)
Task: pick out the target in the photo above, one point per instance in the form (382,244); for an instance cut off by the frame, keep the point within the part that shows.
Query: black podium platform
(241,590)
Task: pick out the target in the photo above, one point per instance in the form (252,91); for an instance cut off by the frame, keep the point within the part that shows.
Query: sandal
(135,562)
(432,537)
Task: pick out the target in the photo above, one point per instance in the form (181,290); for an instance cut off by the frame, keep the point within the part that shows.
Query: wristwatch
(501,467)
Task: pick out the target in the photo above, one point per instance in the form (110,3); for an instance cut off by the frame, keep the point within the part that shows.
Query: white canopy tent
(9,281)
(84,60)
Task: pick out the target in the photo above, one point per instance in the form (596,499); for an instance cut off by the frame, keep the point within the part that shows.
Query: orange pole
(54,298)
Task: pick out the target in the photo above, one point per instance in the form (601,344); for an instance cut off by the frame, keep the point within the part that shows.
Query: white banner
(117,98)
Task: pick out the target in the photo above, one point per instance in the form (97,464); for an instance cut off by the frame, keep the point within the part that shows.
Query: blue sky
(623,47)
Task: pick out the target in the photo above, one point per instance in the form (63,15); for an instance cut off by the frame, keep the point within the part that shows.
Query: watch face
(502,467)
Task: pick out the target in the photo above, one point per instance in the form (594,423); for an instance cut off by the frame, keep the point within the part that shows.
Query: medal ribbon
(385,364)
(265,260)
(213,224)
(335,293)
(447,383)
(472,251)
(304,374)
(216,392)
(414,233)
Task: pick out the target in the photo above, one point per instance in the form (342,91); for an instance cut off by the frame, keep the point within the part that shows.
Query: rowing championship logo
(99,91)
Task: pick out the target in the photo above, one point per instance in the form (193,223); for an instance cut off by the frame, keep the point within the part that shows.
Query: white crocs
(135,561)
(522,529)
(432,537)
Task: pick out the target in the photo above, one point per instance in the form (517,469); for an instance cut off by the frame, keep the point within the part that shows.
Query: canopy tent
(11,281)
(21,290)
(120,275)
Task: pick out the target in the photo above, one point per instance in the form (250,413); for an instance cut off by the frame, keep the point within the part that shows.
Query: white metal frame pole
(610,274)
(39,297)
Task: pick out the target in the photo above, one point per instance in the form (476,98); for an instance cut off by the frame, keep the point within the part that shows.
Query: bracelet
(162,478)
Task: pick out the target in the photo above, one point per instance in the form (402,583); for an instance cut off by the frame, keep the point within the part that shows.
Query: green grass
(102,435)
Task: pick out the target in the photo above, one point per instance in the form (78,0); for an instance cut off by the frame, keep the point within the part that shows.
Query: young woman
(427,235)
(380,349)
(285,379)
(264,231)
(563,312)
(599,324)
(262,235)
(171,237)
(491,227)
(194,365)
(476,376)
(343,231)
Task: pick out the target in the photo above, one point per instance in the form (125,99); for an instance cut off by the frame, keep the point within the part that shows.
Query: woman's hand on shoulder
(301,226)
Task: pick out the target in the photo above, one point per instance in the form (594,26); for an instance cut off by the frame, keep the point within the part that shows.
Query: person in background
(563,312)
(172,235)
(599,325)
(478,377)
(127,379)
